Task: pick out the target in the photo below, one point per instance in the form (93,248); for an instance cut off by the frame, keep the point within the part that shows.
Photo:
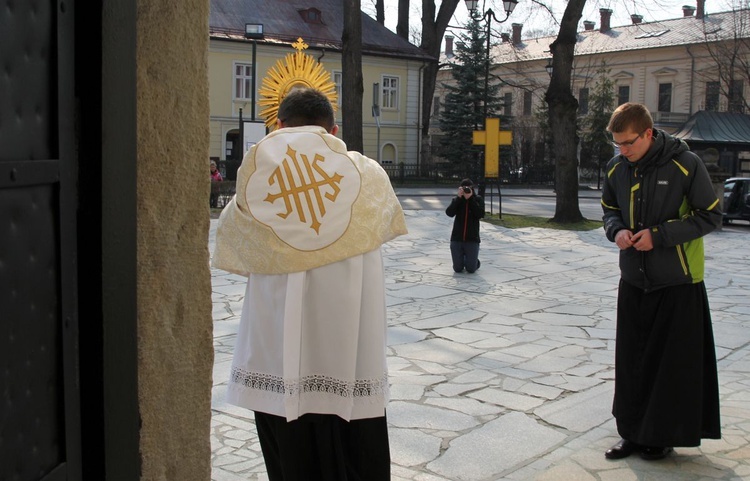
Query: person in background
(466,208)
(306,226)
(658,203)
(215,174)
(215,177)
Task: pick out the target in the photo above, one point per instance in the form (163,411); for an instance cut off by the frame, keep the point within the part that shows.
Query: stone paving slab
(507,373)
(497,446)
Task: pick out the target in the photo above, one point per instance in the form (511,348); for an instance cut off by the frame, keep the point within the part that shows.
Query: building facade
(239,59)
(697,61)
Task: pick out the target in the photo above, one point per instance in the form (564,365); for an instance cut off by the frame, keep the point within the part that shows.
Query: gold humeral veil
(302,200)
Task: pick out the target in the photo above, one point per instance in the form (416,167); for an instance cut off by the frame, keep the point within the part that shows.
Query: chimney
(605,13)
(449,46)
(505,36)
(701,11)
(636,19)
(517,33)
(588,25)
(687,10)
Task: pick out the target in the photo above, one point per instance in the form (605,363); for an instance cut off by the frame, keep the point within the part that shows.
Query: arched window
(388,154)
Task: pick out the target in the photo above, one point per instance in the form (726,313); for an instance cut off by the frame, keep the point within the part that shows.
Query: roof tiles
(283,23)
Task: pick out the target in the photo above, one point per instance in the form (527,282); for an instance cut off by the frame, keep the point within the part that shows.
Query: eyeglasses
(627,143)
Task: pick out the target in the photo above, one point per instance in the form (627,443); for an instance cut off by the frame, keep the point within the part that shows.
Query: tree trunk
(380,11)
(432,38)
(402,27)
(351,73)
(563,108)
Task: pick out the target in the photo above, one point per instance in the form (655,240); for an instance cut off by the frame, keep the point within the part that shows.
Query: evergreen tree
(596,148)
(463,106)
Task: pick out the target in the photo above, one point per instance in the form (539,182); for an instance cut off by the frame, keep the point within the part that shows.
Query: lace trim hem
(310,384)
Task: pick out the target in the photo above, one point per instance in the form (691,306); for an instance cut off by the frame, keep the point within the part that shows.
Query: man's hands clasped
(640,241)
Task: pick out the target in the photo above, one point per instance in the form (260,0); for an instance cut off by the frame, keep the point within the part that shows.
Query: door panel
(40,415)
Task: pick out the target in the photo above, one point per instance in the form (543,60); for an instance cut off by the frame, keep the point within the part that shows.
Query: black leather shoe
(650,453)
(623,449)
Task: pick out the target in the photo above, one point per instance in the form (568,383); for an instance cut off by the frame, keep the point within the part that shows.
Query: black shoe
(650,453)
(623,449)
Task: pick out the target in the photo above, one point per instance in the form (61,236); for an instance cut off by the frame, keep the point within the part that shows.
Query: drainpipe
(420,126)
(692,76)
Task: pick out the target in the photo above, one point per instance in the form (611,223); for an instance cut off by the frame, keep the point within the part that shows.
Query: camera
(466,189)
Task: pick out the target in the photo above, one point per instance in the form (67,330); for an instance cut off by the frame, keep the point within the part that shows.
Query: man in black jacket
(467,208)
(658,204)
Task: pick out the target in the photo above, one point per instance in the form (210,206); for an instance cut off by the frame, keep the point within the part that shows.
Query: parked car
(736,199)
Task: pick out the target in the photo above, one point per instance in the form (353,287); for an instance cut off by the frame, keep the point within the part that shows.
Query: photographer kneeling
(467,208)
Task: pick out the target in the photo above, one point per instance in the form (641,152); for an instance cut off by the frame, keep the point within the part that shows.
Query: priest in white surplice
(306,226)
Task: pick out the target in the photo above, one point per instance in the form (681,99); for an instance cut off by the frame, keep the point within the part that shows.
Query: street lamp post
(242,138)
(254,32)
(488,16)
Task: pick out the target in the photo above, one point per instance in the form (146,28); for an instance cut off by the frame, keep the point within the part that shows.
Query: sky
(535,19)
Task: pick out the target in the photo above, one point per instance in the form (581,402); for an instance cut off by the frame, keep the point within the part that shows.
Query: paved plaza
(508,373)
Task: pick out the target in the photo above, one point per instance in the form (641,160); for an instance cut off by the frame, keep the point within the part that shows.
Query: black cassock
(666,384)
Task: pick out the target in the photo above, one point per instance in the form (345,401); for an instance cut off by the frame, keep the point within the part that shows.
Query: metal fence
(413,174)
(401,174)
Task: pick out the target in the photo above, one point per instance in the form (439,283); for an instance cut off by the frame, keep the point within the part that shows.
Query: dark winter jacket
(669,192)
(467,214)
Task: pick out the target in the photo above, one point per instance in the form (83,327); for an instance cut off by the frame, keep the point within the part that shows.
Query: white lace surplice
(314,342)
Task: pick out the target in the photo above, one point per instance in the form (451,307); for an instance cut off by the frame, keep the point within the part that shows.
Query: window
(337,79)
(527,103)
(657,33)
(583,101)
(390,93)
(311,15)
(388,154)
(623,94)
(243,80)
(736,98)
(508,104)
(436,106)
(665,97)
(712,96)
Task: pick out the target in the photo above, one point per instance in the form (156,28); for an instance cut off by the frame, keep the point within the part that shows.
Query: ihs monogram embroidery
(314,184)
(301,189)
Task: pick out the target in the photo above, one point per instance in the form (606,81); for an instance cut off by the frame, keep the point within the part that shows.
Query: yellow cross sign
(492,138)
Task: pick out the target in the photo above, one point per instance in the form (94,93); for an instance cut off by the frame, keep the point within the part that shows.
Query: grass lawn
(520,221)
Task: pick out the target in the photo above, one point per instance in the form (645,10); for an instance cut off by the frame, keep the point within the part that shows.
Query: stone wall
(175,346)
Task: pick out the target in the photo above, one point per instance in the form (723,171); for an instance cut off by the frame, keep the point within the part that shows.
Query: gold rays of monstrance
(296,70)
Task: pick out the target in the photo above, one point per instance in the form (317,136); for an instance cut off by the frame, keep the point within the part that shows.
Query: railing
(403,173)
(447,174)
(222,192)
